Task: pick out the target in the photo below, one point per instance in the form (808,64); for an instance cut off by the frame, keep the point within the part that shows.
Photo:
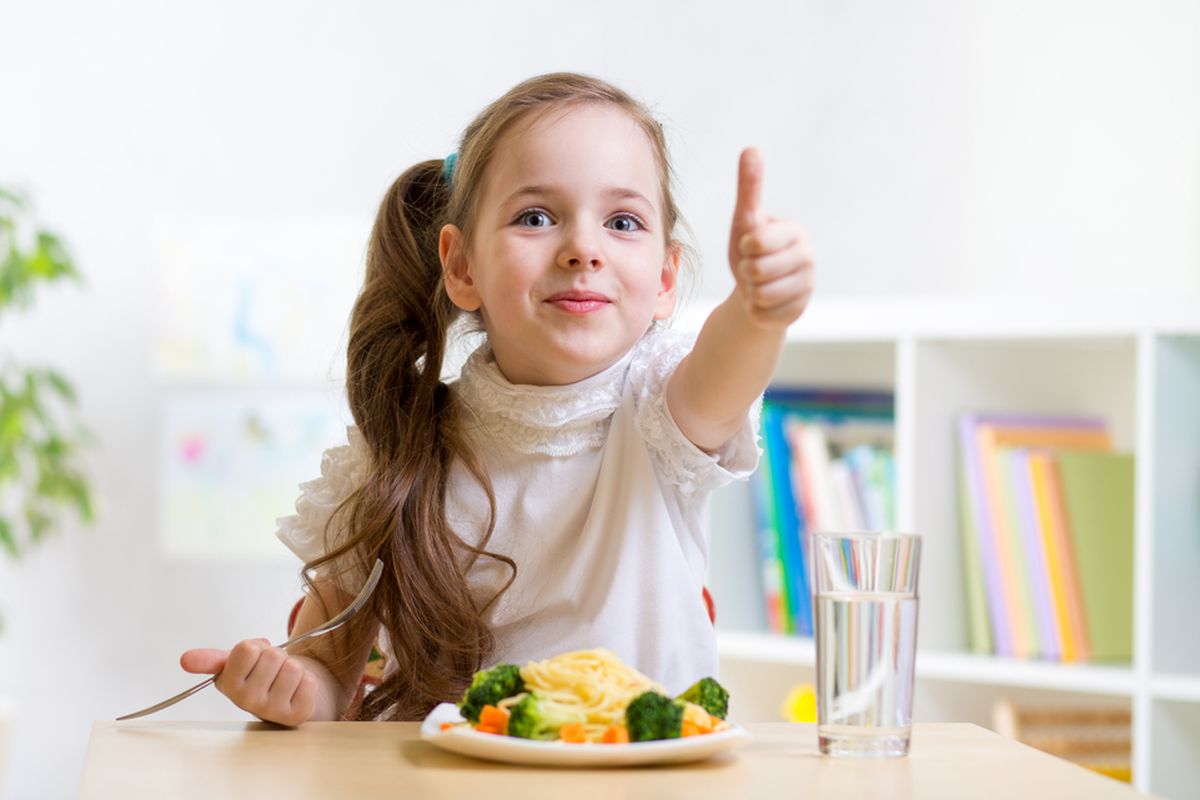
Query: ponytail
(411,424)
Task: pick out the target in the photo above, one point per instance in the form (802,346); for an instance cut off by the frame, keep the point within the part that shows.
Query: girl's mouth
(578,302)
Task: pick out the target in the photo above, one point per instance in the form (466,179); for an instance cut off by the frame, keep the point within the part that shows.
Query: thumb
(748,211)
(204,660)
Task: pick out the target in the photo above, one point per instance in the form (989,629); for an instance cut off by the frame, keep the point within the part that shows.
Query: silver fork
(337,622)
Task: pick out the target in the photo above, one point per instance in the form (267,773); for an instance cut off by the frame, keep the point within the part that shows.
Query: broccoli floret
(535,717)
(709,695)
(651,716)
(489,687)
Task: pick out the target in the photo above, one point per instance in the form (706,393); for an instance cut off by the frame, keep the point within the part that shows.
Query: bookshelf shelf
(950,667)
(1135,362)
(1179,688)
(766,647)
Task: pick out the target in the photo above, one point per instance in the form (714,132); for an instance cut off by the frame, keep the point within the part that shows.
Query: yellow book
(1057,562)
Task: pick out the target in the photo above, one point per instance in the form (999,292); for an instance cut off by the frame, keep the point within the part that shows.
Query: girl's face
(568,262)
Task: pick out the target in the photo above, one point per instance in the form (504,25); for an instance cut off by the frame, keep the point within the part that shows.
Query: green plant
(40,435)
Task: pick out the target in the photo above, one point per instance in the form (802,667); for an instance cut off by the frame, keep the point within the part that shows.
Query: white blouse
(600,500)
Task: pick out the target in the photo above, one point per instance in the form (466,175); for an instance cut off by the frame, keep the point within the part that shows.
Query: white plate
(561,754)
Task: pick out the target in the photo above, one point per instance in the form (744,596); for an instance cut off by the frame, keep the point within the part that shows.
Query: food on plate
(489,687)
(709,695)
(588,696)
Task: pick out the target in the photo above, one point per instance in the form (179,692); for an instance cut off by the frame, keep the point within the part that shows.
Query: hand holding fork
(264,680)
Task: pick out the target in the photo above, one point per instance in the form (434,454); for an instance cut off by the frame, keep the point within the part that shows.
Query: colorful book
(1011,547)
(994,592)
(1092,437)
(770,563)
(1029,530)
(869,470)
(813,452)
(788,521)
(1097,491)
(794,492)
(971,503)
(1060,559)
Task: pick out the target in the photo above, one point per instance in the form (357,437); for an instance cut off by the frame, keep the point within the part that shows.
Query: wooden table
(146,759)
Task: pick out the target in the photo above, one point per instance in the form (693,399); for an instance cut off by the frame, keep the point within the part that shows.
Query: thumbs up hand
(770,258)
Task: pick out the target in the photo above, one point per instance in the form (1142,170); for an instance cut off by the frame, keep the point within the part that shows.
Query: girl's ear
(667,282)
(456,272)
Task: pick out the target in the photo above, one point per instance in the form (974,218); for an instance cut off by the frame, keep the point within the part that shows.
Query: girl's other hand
(259,678)
(770,257)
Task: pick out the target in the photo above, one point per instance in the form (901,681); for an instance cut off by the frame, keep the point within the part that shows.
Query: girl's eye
(626,223)
(534,219)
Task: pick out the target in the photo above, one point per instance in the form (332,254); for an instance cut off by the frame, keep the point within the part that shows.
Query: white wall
(999,147)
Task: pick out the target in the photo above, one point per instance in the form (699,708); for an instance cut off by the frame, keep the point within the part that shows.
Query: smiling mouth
(578,302)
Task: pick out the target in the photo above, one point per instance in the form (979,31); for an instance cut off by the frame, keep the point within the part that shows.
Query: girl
(554,497)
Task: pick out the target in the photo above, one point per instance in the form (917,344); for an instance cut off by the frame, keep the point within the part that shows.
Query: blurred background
(214,169)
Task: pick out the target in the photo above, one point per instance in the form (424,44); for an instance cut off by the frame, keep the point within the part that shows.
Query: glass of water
(865,587)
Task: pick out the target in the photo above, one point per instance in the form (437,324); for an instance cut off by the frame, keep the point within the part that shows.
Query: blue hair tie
(448,167)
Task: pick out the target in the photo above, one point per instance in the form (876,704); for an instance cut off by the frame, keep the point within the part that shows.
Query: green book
(979,633)
(1098,498)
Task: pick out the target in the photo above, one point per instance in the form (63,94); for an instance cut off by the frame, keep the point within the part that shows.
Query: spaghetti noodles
(591,686)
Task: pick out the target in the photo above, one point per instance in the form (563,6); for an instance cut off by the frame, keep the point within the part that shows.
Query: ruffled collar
(553,420)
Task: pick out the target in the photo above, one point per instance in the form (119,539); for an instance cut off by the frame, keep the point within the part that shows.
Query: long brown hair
(411,420)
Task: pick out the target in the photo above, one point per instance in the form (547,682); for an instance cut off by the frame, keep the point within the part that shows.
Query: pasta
(588,696)
(594,686)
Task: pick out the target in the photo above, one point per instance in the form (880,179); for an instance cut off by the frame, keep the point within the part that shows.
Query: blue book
(789,523)
(770,560)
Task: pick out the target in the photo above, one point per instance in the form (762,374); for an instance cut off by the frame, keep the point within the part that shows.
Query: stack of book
(1047,533)
(827,465)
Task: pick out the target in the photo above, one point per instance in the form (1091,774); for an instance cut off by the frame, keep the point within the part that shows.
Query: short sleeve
(343,470)
(680,462)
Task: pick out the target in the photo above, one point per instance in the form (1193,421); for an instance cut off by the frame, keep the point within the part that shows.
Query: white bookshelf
(1135,362)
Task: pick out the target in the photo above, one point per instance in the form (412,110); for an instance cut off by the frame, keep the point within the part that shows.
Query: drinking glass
(865,587)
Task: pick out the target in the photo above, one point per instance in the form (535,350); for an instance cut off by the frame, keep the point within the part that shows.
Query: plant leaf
(61,385)
(7,540)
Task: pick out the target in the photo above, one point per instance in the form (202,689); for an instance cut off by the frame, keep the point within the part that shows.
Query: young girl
(555,496)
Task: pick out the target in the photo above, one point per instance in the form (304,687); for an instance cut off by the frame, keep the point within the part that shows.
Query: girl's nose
(580,252)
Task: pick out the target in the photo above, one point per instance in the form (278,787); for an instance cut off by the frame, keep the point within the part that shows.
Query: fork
(355,606)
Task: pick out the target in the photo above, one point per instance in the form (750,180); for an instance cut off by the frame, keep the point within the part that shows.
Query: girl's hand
(770,258)
(261,679)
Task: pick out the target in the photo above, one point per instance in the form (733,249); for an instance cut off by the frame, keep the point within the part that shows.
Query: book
(868,466)
(999,610)
(970,504)
(789,528)
(1097,492)
(1014,557)
(1029,529)
(1060,559)
(805,482)
(770,563)
(1029,547)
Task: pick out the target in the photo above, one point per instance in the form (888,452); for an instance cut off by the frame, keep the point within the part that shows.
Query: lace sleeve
(680,462)
(343,469)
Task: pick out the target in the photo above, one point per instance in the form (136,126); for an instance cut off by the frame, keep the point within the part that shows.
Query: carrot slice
(488,729)
(615,734)
(690,729)
(573,732)
(447,726)
(494,717)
